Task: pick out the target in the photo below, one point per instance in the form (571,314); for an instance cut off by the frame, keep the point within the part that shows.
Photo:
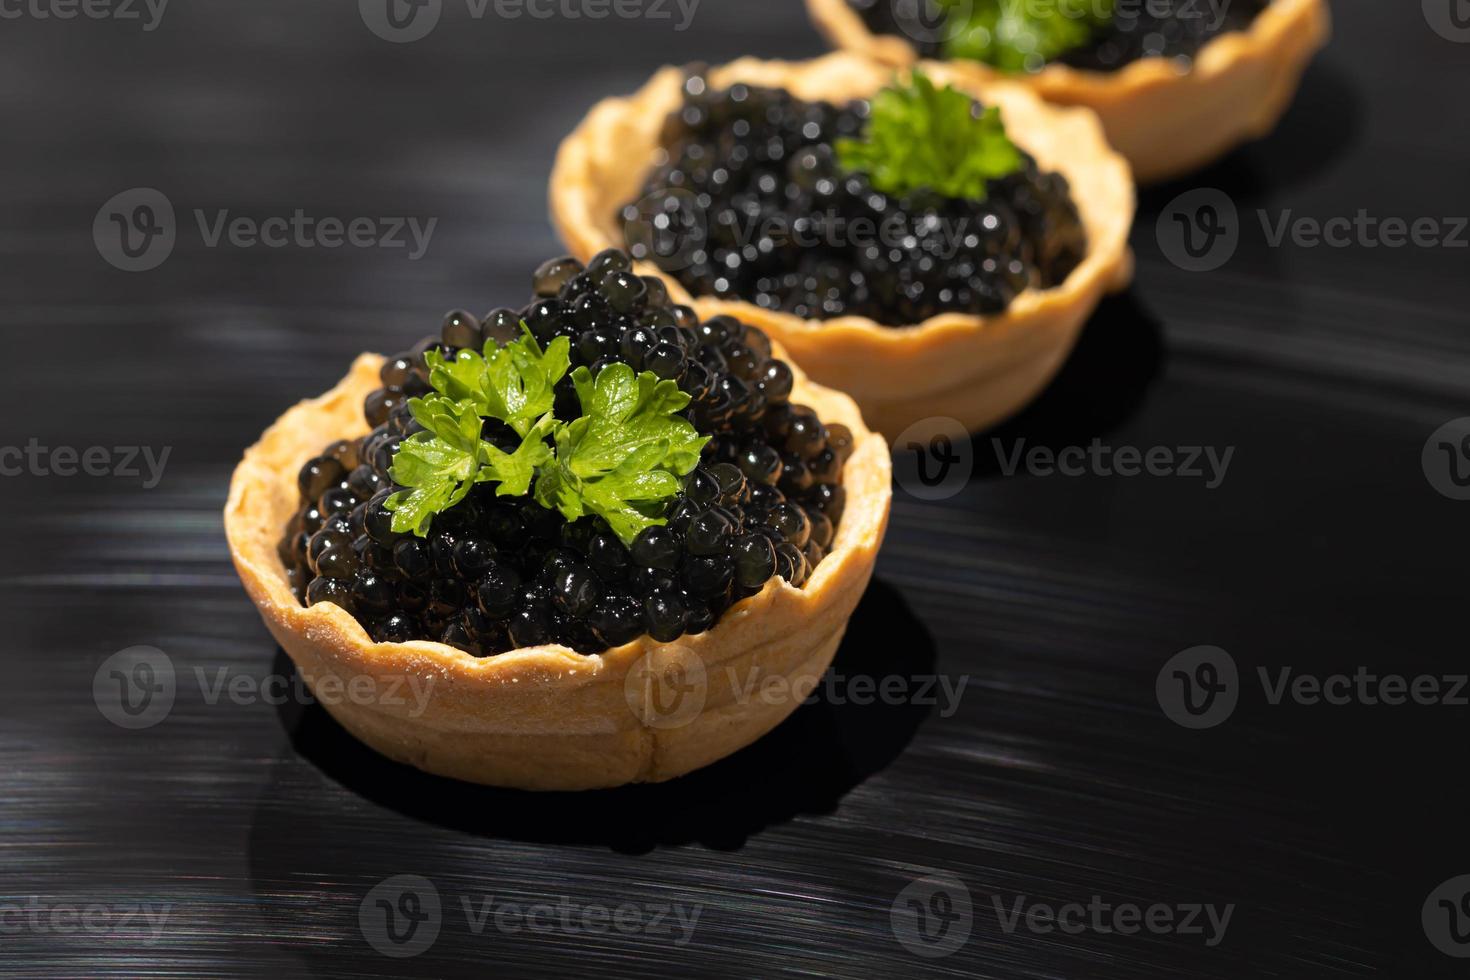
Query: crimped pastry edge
(977,369)
(1165,120)
(546,717)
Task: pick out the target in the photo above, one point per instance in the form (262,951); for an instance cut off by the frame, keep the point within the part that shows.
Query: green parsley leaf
(515,471)
(440,465)
(515,383)
(462,379)
(623,459)
(522,378)
(919,136)
(1022,35)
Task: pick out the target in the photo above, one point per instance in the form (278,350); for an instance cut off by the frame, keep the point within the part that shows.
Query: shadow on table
(806,765)
(1324,123)
(1104,381)
(1102,384)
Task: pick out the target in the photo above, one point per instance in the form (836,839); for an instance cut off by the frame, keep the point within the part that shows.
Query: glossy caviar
(1159,28)
(499,572)
(750,202)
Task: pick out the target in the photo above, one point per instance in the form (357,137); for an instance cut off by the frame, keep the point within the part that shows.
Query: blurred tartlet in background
(930,243)
(1176,84)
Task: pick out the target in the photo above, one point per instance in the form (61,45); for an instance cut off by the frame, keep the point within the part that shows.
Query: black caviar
(497,573)
(1159,28)
(750,203)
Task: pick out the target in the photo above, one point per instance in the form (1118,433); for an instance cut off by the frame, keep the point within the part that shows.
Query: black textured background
(1059,599)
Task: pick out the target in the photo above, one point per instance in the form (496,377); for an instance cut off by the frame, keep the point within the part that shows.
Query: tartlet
(977,369)
(546,717)
(1167,119)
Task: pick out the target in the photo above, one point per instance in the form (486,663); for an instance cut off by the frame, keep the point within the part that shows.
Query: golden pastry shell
(976,369)
(1166,119)
(546,717)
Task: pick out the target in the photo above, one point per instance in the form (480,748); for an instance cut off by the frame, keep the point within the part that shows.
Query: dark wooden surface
(1058,778)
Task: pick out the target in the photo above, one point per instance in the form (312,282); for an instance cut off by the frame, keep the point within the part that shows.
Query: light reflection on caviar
(498,573)
(751,204)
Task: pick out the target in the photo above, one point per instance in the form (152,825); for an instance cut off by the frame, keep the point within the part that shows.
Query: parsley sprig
(621,460)
(515,383)
(919,136)
(1022,35)
(442,464)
